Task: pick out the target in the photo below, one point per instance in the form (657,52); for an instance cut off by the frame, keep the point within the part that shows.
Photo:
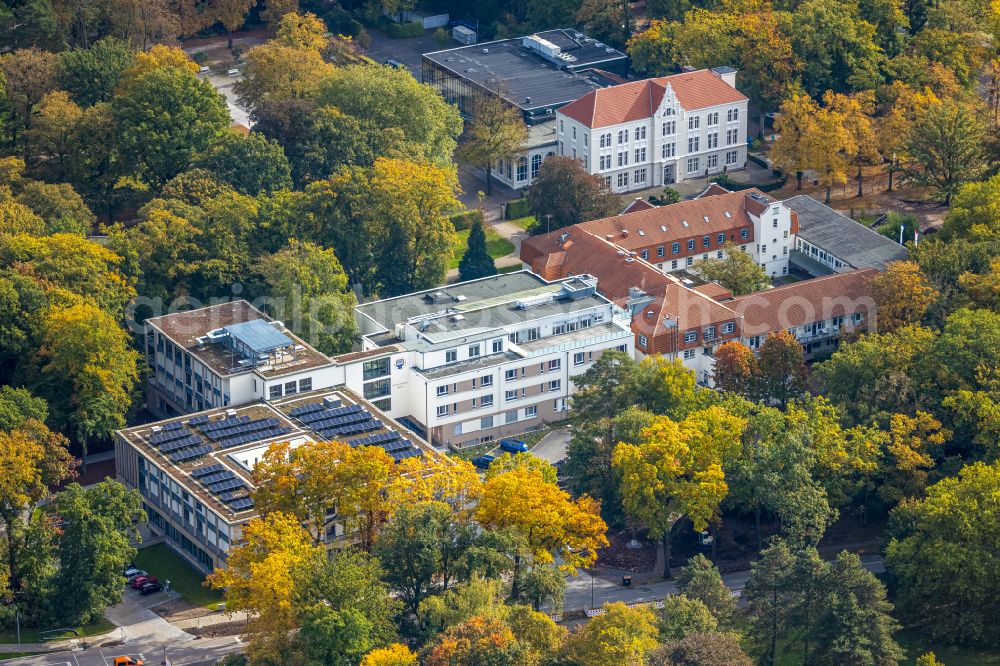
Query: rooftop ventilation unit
(457,318)
(532,301)
(331,402)
(562,238)
(230,412)
(663,227)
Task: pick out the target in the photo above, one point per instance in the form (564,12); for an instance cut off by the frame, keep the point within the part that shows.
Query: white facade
(673,145)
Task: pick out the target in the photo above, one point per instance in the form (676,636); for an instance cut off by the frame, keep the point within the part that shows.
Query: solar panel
(324,424)
(217,476)
(352,428)
(379,438)
(398,445)
(169,435)
(243,428)
(307,409)
(179,444)
(224,423)
(242,504)
(232,495)
(205,471)
(173,426)
(190,454)
(198,420)
(407,453)
(331,413)
(223,486)
(239,440)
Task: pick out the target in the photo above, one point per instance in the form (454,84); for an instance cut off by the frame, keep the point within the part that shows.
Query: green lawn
(166,565)
(34,634)
(17,655)
(496,245)
(524,222)
(916,645)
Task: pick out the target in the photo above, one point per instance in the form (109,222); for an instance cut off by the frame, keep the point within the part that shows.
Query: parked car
(483,461)
(131,571)
(135,573)
(513,445)
(150,588)
(128,661)
(139,581)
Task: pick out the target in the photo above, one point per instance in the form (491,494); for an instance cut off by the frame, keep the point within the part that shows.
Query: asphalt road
(189,653)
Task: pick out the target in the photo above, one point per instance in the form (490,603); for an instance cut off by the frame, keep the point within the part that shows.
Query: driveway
(407,51)
(552,447)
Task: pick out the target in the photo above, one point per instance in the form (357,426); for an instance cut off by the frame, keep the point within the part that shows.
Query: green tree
(62,209)
(275,71)
(28,75)
(855,625)
(89,370)
(95,545)
(308,288)
(944,148)
(607,20)
(476,262)
(975,207)
(700,579)
(50,142)
(736,271)
(621,635)
(18,406)
(391,98)
(91,75)
(249,163)
(348,610)
(565,194)
(781,367)
(496,132)
(770,599)
(836,46)
(231,14)
(164,118)
(702,649)
(682,616)
(606,388)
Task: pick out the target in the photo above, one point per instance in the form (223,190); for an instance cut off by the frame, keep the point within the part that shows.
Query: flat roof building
(195,472)
(537,73)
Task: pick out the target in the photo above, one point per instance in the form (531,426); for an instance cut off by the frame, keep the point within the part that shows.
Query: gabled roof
(695,217)
(849,241)
(805,302)
(633,101)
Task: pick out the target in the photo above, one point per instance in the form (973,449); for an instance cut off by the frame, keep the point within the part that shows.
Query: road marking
(101,652)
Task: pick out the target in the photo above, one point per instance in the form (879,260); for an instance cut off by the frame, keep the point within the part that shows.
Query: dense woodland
(124,191)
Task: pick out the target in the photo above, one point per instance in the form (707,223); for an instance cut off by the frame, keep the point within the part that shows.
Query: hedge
(759,162)
(463,221)
(517,208)
(734,186)
(404,30)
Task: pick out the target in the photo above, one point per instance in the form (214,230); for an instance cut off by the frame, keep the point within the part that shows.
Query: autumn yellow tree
(856,112)
(795,125)
(621,636)
(983,289)
(391,655)
(830,145)
(913,441)
(160,55)
(902,294)
(260,579)
(436,479)
(675,472)
(550,523)
(309,480)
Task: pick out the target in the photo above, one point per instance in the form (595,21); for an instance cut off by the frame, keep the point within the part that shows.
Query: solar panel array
(169,435)
(242,504)
(260,435)
(226,484)
(202,472)
(216,477)
(190,454)
(393,443)
(232,421)
(178,444)
(198,420)
(367,425)
(307,409)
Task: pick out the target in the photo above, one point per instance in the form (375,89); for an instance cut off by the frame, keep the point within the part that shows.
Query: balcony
(585,337)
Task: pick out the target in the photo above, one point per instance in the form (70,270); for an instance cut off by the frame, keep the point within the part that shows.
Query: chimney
(624,233)
(726,73)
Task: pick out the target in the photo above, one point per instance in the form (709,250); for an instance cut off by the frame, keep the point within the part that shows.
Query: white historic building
(658,131)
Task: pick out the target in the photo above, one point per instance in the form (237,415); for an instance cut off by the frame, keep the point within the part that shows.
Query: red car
(139,581)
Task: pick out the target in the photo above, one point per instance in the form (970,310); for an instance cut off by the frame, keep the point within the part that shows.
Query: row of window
(709,333)
(289,388)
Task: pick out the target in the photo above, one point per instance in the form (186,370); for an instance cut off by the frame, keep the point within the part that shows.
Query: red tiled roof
(636,206)
(714,290)
(663,224)
(805,302)
(640,99)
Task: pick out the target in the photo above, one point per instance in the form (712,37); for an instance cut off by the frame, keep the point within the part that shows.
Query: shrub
(759,162)
(464,220)
(441,37)
(199,58)
(517,208)
(405,30)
